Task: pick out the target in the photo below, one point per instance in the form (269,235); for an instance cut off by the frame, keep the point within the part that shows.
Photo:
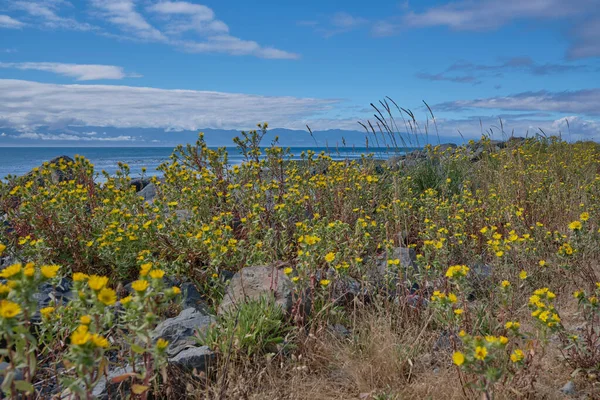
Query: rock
(445,340)
(183,215)
(57,175)
(340,330)
(49,294)
(568,389)
(179,331)
(480,277)
(255,282)
(106,389)
(346,288)
(408,266)
(191,297)
(198,358)
(148,193)
(4,367)
(140,183)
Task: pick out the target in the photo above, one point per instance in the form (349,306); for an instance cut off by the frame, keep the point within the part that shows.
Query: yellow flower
(79,276)
(505,284)
(325,282)
(29,270)
(8,309)
(452,297)
(458,311)
(145,268)
(458,358)
(584,217)
(503,339)
(126,300)
(10,271)
(157,274)
(575,225)
(295,279)
(107,296)
(46,311)
(542,263)
(499,253)
(4,289)
(2,248)
(49,271)
(176,290)
(81,336)
(523,275)
(288,270)
(517,355)
(96,282)
(162,344)
(85,320)
(330,257)
(480,353)
(139,285)
(512,325)
(99,341)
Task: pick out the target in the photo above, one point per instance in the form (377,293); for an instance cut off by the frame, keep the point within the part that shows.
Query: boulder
(140,183)
(148,192)
(57,175)
(179,331)
(408,266)
(198,358)
(251,283)
(106,389)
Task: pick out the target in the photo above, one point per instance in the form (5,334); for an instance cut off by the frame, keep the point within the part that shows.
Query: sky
(140,72)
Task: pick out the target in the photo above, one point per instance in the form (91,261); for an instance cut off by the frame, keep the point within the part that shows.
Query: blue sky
(114,65)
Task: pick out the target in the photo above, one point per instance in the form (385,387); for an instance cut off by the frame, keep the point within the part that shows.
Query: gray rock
(199,358)
(148,192)
(139,183)
(49,294)
(179,331)
(4,367)
(568,389)
(255,282)
(191,297)
(106,389)
(340,330)
(385,272)
(183,215)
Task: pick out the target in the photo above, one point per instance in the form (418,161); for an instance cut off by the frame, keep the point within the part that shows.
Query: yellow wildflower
(480,353)
(458,358)
(157,274)
(46,311)
(49,271)
(107,296)
(140,285)
(330,257)
(10,271)
(96,282)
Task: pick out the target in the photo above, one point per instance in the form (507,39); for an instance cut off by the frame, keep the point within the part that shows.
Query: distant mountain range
(95,136)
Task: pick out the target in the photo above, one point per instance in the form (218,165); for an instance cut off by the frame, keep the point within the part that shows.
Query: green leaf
(137,349)
(24,386)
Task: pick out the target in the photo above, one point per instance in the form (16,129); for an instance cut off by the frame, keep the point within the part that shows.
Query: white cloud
(346,21)
(81,72)
(123,14)
(44,13)
(25,104)
(181,16)
(585,102)
(486,15)
(71,137)
(9,22)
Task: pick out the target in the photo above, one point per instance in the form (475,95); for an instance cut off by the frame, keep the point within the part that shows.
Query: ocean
(21,160)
